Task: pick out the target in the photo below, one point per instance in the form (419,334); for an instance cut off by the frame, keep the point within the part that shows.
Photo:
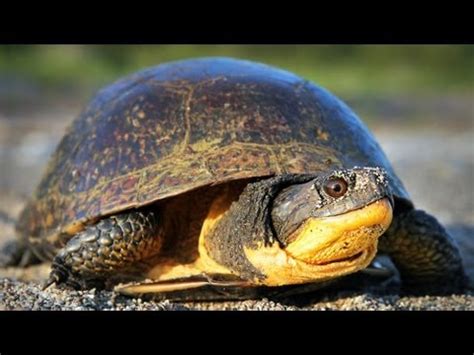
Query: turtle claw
(48,284)
(52,280)
(61,275)
(58,275)
(378,269)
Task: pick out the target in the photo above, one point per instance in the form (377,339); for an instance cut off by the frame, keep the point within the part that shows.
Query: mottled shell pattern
(183,125)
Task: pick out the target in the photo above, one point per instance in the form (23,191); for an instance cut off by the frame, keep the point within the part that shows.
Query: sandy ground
(434,158)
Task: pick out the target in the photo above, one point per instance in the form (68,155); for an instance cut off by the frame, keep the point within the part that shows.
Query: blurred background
(418,100)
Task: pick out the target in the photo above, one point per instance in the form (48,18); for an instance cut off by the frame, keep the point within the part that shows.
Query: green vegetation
(343,69)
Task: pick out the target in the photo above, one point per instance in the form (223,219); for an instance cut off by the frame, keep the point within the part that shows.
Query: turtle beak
(391,200)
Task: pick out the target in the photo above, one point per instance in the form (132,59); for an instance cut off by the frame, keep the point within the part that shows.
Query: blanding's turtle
(215,177)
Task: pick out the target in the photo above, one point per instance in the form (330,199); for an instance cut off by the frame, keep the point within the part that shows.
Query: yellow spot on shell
(321,135)
(49,220)
(204,145)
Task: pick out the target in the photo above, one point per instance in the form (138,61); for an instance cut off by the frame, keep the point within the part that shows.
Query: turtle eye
(335,187)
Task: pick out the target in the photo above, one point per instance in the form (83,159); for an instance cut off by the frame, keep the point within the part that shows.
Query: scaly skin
(113,247)
(424,253)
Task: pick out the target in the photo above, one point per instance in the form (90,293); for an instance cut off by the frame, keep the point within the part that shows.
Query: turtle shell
(183,125)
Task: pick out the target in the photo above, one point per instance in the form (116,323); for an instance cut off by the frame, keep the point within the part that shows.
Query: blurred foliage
(343,69)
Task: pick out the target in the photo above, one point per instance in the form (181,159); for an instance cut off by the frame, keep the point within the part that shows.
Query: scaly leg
(114,246)
(424,253)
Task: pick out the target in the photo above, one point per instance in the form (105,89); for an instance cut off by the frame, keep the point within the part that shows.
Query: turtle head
(328,227)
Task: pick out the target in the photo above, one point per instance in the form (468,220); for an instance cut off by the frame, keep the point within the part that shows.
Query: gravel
(29,296)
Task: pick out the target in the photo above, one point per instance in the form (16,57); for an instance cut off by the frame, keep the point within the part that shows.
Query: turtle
(221,178)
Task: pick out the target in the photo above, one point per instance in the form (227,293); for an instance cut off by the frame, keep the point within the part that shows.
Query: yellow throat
(324,248)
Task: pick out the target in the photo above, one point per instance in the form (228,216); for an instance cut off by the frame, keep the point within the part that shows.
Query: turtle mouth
(347,259)
(282,268)
(326,247)
(342,264)
(344,239)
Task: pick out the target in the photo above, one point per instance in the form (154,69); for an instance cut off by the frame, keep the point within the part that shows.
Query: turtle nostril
(335,187)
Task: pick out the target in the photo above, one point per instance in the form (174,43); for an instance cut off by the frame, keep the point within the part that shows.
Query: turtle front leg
(114,246)
(424,253)
(14,252)
(17,253)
